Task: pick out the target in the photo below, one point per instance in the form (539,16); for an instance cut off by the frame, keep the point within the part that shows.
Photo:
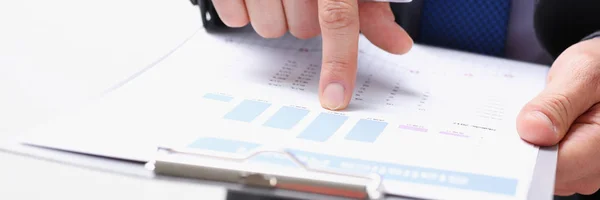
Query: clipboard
(187,163)
(229,172)
(254,184)
(356,186)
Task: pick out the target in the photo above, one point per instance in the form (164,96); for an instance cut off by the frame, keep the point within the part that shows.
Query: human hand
(567,113)
(337,21)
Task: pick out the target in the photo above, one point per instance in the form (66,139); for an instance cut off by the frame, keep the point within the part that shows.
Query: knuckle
(337,68)
(337,14)
(590,63)
(559,103)
(584,62)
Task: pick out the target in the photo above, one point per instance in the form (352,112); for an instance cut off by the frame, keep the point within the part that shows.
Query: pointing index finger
(339,23)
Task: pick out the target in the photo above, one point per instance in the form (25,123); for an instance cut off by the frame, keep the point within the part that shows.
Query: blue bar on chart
(366,130)
(247,110)
(218,97)
(323,127)
(286,117)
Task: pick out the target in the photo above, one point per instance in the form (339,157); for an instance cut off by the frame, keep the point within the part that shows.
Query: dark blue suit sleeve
(593,35)
(559,24)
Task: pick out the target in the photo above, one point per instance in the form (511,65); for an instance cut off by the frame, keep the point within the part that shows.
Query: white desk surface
(54,55)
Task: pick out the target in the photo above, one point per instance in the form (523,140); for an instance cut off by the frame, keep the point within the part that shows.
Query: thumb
(545,120)
(572,88)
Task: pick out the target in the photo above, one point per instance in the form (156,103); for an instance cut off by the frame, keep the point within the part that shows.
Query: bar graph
(366,130)
(247,110)
(323,127)
(218,97)
(319,129)
(286,118)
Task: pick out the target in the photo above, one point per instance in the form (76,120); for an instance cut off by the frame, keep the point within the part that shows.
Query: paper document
(435,123)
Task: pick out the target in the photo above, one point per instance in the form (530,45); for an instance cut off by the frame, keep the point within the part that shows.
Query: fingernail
(333,96)
(544,118)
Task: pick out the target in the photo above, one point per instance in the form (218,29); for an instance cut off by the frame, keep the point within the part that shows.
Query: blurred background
(56,54)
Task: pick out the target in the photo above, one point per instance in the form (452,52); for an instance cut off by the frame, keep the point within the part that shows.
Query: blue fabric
(478,26)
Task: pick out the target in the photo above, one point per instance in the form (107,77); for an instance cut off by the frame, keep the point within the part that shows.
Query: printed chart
(422,120)
(308,132)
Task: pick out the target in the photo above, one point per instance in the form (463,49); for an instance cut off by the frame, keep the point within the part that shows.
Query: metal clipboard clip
(235,169)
